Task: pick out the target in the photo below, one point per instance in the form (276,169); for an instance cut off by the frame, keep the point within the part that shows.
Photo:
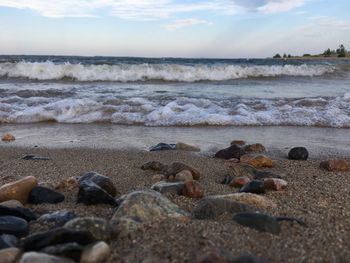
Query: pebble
(7,241)
(154,166)
(20,212)
(9,255)
(234,151)
(11,203)
(97,227)
(247,170)
(91,194)
(298,153)
(14,226)
(238,142)
(34,257)
(57,218)
(68,250)
(260,222)
(258,161)
(158,177)
(8,137)
(43,195)
(166,187)
(256,147)
(18,190)
(216,255)
(96,253)
(162,147)
(184,176)
(101,180)
(335,165)
(275,184)
(193,189)
(35,158)
(249,199)
(238,182)
(186,147)
(178,167)
(255,187)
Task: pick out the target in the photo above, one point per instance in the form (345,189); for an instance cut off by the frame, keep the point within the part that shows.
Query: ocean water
(175,92)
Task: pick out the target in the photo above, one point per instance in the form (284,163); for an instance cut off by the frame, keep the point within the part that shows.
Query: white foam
(165,72)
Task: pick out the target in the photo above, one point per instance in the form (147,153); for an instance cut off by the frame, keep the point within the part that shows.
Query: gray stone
(96,253)
(97,227)
(58,218)
(11,203)
(260,222)
(68,250)
(165,187)
(14,226)
(101,180)
(34,257)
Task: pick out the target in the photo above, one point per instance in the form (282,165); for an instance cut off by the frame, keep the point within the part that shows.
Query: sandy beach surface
(318,197)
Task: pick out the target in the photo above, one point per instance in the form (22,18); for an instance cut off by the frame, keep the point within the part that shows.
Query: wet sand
(318,197)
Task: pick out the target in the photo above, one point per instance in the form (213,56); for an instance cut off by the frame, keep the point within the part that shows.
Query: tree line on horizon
(340,52)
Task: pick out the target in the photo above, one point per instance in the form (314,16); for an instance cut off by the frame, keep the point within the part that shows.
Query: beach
(313,195)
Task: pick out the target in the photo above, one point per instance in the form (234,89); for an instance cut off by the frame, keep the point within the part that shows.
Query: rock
(162,147)
(20,212)
(246,170)
(336,165)
(238,182)
(18,190)
(186,147)
(56,236)
(67,184)
(35,158)
(67,250)
(165,187)
(34,257)
(238,142)
(178,167)
(154,166)
(258,161)
(193,189)
(298,153)
(275,184)
(42,195)
(96,253)
(97,227)
(255,187)
(183,176)
(257,147)
(260,222)
(234,151)
(8,137)
(143,207)
(249,199)
(102,181)
(158,177)
(7,241)
(14,226)
(211,208)
(91,194)
(57,218)
(9,255)
(11,203)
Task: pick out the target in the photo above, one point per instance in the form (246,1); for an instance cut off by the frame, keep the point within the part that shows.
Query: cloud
(148,9)
(177,24)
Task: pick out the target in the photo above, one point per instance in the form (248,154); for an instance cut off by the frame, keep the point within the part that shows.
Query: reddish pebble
(336,165)
(193,189)
(275,184)
(238,182)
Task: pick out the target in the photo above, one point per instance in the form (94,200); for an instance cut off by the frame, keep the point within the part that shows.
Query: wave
(148,72)
(321,111)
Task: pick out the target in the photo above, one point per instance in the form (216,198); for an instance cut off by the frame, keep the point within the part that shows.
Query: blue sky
(206,28)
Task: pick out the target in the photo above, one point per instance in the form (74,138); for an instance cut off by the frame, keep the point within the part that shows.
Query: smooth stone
(91,194)
(20,212)
(216,255)
(12,204)
(34,257)
(238,142)
(67,184)
(9,255)
(234,151)
(18,190)
(256,147)
(238,182)
(162,147)
(102,181)
(298,153)
(193,189)
(211,208)
(8,137)
(247,170)
(186,147)
(260,222)
(178,167)
(56,236)
(96,253)
(335,165)
(43,195)
(275,184)
(97,227)
(58,218)
(258,161)
(143,207)
(255,187)
(183,176)
(14,226)
(7,241)
(35,158)
(165,187)
(68,250)
(249,199)
(154,166)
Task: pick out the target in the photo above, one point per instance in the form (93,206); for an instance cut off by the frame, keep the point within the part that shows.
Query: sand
(318,197)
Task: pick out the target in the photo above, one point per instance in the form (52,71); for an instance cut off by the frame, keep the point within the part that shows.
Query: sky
(173,28)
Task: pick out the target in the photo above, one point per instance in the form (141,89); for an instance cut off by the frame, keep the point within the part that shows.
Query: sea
(176,93)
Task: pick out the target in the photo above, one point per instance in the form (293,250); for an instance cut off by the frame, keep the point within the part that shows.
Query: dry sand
(318,197)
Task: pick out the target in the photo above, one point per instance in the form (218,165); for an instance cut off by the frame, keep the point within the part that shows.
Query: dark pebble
(42,195)
(13,225)
(298,153)
(255,187)
(162,147)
